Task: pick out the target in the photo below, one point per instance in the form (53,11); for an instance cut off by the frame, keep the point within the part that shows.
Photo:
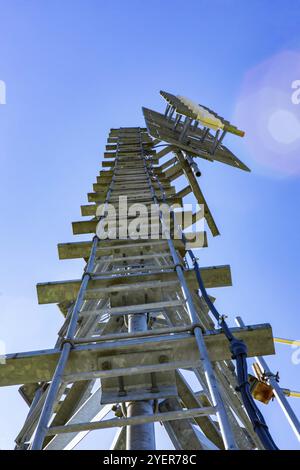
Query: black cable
(239,352)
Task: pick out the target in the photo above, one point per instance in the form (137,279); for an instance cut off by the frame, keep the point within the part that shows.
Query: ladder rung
(126,310)
(120,422)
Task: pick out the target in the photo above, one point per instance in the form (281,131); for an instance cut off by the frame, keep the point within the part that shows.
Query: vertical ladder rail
(141,436)
(64,355)
(67,343)
(255,415)
(216,397)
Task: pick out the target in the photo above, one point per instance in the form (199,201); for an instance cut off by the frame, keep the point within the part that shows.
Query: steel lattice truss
(136,326)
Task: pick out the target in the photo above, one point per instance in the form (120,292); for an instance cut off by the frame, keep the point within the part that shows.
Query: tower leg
(139,436)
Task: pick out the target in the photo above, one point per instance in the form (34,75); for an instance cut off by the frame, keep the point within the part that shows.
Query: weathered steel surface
(59,291)
(38,366)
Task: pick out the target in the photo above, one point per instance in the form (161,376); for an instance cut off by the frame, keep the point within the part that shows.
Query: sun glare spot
(284,126)
(269,111)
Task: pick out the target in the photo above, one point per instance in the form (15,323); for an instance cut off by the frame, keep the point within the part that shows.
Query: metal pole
(139,436)
(278,391)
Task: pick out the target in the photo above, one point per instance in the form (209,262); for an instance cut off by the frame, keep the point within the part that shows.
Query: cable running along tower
(142,341)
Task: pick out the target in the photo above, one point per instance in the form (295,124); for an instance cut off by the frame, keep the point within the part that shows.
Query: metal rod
(167,110)
(136,334)
(185,128)
(193,165)
(134,370)
(217,143)
(172,111)
(134,420)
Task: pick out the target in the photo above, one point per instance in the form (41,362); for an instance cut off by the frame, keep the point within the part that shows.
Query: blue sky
(74,69)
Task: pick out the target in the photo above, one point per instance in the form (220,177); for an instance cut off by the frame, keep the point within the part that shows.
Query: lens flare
(268,109)
(284,126)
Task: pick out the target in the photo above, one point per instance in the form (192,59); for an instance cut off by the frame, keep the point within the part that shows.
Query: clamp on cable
(259,423)
(238,348)
(266,375)
(239,387)
(221,319)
